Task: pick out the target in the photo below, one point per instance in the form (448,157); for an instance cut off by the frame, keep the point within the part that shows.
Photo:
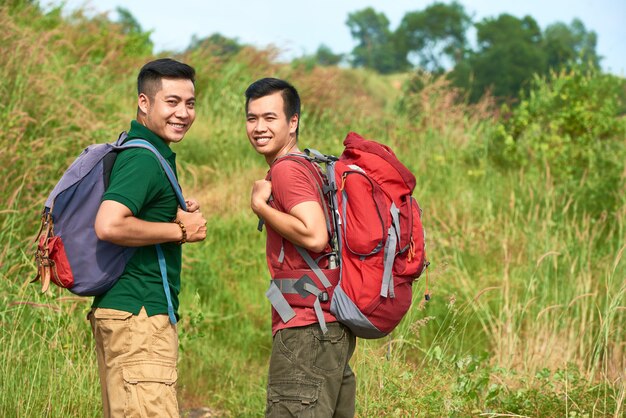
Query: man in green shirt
(136,345)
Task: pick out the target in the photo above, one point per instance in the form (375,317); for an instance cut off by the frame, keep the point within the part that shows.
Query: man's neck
(290,150)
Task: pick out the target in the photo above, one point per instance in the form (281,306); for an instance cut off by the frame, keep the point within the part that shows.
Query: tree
(376,47)
(128,22)
(139,40)
(325,56)
(566,45)
(219,45)
(509,53)
(433,34)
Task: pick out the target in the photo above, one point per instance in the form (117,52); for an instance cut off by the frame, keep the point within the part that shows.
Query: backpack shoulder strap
(142,143)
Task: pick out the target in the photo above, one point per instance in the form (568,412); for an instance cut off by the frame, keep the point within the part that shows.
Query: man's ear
(143,103)
(293,123)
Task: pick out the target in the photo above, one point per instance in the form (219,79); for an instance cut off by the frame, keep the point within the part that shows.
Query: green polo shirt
(139,182)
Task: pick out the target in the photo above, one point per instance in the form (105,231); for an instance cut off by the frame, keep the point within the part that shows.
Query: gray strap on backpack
(334,204)
(287,286)
(317,307)
(387,287)
(279,303)
(319,156)
(313,266)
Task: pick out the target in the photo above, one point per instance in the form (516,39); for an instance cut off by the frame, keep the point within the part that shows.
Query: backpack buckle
(305,287)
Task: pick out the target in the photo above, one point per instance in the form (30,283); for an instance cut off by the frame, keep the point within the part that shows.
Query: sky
(299,27)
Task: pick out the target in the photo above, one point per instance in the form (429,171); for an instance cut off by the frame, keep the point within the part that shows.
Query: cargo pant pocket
(111,330)
(292,398)
(150,389)
(331,349)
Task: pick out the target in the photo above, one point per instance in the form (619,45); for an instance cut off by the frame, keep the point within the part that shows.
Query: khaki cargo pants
(136,362)
(309,374)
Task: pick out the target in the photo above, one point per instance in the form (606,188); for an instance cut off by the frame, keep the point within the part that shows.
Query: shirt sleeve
(292,184)
(136,179)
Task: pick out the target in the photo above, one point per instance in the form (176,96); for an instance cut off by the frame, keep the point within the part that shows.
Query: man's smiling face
(171,112)
(269,131)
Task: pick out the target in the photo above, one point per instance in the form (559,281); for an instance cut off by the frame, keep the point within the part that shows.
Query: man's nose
(182,111)
(260,126)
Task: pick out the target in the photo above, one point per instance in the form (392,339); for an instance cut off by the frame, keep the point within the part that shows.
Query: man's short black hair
(151,74)
(266,86)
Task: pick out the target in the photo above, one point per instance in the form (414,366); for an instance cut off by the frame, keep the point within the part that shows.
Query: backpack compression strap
(393,234)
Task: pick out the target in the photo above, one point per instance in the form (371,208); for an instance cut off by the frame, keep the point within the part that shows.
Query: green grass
(528,305)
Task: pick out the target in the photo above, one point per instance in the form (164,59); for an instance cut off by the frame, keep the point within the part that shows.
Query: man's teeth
(178,125)
(262,141)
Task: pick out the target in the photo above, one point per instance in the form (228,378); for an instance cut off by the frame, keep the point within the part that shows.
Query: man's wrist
(259,205)
(183,231)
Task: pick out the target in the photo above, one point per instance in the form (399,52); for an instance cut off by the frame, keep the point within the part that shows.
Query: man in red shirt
(309,371)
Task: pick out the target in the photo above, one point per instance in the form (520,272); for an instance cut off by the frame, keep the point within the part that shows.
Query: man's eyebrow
(262,114)
(177,97)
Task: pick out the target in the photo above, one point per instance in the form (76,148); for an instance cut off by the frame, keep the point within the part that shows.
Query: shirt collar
(137,130)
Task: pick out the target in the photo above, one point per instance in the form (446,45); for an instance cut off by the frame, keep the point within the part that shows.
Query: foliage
(376,47)
(437,31)
(509,53)
(218,45)
(571,45)
(325,56)
(134,33)
(570,122)
(426,97)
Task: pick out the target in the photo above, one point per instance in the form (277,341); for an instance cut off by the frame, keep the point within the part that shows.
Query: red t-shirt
(292,183)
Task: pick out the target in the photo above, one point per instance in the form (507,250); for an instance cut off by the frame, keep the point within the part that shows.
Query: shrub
(570,123)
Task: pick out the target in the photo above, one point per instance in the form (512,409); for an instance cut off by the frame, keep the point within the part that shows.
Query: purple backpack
(69,254)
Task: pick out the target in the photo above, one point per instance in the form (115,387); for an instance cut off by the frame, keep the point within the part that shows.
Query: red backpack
(377,240)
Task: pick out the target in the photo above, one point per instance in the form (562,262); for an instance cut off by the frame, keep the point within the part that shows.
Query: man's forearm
(134,232)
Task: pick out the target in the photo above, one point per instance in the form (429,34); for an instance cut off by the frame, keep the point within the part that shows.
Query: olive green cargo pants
(309,374)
